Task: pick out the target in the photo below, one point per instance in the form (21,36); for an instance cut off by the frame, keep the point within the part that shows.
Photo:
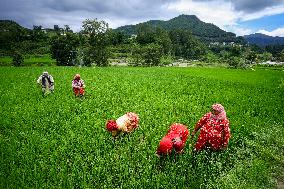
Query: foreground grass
(61,142)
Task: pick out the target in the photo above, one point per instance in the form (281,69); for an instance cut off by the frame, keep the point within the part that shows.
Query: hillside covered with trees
(153,43)
(206,32)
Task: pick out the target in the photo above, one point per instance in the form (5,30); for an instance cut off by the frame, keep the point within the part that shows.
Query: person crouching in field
(174,139)
(78,86)
(125,124)
(215,130)
(46,82)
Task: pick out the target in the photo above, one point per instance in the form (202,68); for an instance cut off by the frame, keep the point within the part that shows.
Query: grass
(61,142)
(42,60)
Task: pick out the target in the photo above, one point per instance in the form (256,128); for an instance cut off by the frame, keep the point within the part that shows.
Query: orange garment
(79,92)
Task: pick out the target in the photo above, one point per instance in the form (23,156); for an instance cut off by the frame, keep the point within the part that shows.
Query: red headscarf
(175,138)
(165,147)
(111,125)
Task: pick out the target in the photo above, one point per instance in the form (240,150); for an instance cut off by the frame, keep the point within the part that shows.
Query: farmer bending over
(125,124)
(47,83)
(175,139)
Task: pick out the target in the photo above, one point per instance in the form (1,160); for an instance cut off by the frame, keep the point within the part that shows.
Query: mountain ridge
(206,32)
(263,39)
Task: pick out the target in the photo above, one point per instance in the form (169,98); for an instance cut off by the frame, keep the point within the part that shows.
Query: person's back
(47,82)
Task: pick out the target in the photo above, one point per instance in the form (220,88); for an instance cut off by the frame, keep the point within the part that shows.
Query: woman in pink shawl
(78,86)
(215,129)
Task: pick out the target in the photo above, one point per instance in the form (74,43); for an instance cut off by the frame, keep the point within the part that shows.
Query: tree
(17,59)
(118,37)
(136,55)
(64,49)
(96,50)
(251,56)
(37,35)
(236,62)
(266,56)
(162,38)
(152,54)
(67,29)
(146,55)
(211,58)
(281,56)
(145,34)
(185,45)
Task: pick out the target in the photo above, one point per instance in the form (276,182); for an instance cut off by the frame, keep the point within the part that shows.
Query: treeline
(97,44)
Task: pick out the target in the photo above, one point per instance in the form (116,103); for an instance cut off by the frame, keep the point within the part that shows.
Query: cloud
(265,12)
(239,31)
(73,12)
(217,12)
(248,6)
(277,32)
(226,14)
(252,6)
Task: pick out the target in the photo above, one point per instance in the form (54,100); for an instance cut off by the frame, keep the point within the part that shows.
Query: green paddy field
(58,141)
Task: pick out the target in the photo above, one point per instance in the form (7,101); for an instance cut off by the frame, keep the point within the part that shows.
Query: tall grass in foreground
(61,142)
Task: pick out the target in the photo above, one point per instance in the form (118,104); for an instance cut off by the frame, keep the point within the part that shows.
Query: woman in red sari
(215,130)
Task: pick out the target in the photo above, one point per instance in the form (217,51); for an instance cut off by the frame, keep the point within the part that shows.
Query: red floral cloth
(174,139)
(215,133)
(126,123)
(78,86)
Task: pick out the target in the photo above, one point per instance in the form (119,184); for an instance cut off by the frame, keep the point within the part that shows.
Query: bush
(166,60)
(17,59)
(147,55)
(63,49)
(152,55)
(236,62)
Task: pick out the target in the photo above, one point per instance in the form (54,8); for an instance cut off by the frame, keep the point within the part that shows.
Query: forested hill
(11,32)
(204,31)
(263,40)
(6,25)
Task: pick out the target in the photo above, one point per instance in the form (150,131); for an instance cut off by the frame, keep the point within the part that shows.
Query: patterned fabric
(126,123)
(79,92)
(111,125)
(175,139)
(214,134)
(220,110)
(78,87)
(78,83)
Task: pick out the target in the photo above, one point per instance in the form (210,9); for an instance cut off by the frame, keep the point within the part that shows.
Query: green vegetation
(204,31)
(61,142)
(145,44)
(39,60)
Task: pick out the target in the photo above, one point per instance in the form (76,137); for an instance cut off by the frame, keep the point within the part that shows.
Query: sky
(241,17)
